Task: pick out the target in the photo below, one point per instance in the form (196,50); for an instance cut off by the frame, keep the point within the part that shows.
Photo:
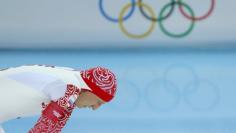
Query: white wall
(79,23)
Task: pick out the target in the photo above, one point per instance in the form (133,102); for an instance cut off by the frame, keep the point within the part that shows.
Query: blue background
(165,84)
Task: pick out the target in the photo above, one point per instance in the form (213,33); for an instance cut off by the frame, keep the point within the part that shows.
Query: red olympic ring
(200,17)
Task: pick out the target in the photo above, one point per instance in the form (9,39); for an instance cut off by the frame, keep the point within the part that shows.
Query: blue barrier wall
(168,92)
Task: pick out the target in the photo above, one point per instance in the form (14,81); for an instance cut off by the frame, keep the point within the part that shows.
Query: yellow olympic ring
(136,36)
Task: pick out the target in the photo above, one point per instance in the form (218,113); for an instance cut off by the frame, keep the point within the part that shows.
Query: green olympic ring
(179,35)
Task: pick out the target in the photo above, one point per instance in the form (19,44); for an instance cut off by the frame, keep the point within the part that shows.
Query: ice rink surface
(168,92)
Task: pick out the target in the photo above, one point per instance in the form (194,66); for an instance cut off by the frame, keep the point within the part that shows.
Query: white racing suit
(28,90)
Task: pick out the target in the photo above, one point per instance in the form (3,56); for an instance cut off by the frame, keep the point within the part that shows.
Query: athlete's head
(102,86)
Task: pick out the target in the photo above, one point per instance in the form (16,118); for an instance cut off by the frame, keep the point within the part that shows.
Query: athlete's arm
(57,113)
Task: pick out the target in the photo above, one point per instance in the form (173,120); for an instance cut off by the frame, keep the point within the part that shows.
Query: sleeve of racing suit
(57,113)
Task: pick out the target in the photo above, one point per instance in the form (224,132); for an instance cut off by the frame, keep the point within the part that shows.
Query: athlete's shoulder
(51,66)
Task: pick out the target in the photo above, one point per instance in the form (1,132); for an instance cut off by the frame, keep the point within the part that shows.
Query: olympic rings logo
(166,92)
(149,14)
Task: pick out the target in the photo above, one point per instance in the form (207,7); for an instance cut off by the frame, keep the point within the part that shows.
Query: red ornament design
(56,114)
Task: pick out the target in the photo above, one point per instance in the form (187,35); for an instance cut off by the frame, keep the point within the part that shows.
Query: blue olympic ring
(116,19)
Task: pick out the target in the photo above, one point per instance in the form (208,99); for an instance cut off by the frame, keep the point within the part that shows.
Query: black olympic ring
(157,18)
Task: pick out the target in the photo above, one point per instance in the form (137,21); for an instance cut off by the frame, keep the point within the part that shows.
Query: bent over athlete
(54,92)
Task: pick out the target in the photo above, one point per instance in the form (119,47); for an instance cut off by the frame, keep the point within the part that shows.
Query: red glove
(56,114)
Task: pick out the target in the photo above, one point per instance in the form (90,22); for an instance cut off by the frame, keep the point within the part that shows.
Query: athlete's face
(90,100)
